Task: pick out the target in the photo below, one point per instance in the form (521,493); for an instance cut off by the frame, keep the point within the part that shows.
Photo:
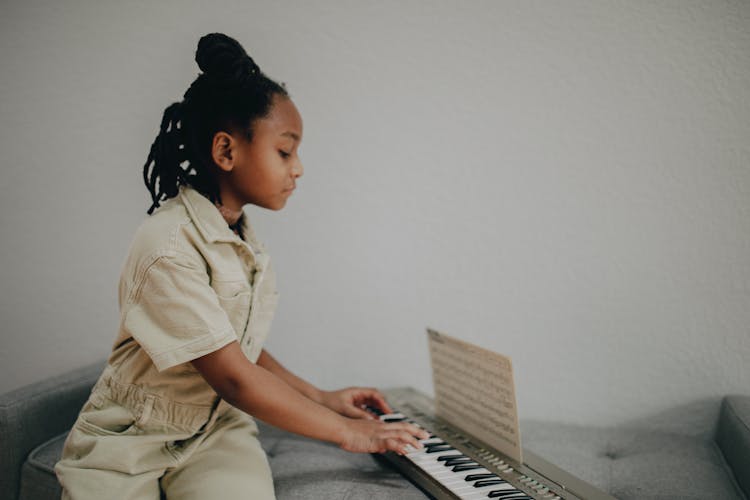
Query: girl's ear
(223,151)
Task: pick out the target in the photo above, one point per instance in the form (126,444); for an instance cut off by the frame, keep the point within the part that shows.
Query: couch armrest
(733,438)
(35,413)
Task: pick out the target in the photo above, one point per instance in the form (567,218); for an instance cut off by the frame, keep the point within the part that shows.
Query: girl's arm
(258,392)
(269,363)
(347,401)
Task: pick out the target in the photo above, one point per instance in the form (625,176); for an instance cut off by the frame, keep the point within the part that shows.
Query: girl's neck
(230,216)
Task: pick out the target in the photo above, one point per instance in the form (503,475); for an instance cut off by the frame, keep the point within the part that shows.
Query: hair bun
(223,57)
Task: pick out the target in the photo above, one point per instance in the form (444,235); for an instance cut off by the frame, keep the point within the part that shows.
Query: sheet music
(474,391)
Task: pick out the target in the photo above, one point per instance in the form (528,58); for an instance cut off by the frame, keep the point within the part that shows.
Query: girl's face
(264,171)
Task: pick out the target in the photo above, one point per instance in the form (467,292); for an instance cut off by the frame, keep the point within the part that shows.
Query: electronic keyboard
(455,465)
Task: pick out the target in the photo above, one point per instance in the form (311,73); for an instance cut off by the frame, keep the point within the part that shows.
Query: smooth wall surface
(567,183)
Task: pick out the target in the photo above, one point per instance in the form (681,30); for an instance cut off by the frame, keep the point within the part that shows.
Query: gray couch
(700,451)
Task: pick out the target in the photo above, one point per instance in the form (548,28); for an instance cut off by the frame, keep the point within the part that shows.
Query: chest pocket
(235,296)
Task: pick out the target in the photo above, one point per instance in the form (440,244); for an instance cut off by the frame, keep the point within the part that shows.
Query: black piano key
(456,461)
(443,458)
(476,477)
(489,482)
(469,466)
(437,443)
(376,411)
(507,493)
(437,449)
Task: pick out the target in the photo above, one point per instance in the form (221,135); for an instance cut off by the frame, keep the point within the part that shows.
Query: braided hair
(229,95)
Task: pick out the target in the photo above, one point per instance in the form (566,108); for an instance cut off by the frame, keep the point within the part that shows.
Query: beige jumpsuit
(152,426)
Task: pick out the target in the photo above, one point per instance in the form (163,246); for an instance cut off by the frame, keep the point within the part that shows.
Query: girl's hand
(364,436)
(349,402)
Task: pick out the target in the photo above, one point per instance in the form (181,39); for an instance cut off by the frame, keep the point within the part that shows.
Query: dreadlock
(229,95)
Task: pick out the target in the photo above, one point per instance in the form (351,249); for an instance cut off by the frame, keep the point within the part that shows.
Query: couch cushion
(733,437)
(302,468)
(635,463)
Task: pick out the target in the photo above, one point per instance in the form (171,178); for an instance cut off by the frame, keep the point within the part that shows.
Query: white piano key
(476,494)
(467,489)
(431,440)
(421,456)
(392,416)
(470,490)
(481,494)
(469,486)
(427,463)
(448,474)
(465,473)
(461,482)
(442,465)
(430,462)
(448,471)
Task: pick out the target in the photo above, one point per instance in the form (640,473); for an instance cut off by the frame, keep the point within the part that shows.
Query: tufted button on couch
(696,452)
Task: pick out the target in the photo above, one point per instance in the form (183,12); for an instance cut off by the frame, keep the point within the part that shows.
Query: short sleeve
(175,315)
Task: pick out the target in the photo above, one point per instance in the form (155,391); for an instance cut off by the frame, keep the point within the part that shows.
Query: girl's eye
(284,154)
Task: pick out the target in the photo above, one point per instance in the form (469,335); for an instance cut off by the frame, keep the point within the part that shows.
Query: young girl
(170,416)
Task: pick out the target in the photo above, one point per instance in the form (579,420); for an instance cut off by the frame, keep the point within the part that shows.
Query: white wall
(564,182)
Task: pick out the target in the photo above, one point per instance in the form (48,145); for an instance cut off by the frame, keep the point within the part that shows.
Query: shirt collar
(208,219)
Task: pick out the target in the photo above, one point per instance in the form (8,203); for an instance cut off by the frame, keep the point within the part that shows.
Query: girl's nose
(298,169)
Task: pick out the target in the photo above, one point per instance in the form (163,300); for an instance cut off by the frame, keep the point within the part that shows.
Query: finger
(404,442)
(361,394)
(395,445)
(373,398)
(380,402)
(404,436)
(409,439)
(354,412)
(410,428)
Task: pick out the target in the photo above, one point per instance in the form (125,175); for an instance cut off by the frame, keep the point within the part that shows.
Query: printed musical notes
(474,390)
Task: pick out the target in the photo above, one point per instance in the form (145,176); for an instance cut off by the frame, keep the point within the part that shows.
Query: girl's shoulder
(161,234)
(190,231)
